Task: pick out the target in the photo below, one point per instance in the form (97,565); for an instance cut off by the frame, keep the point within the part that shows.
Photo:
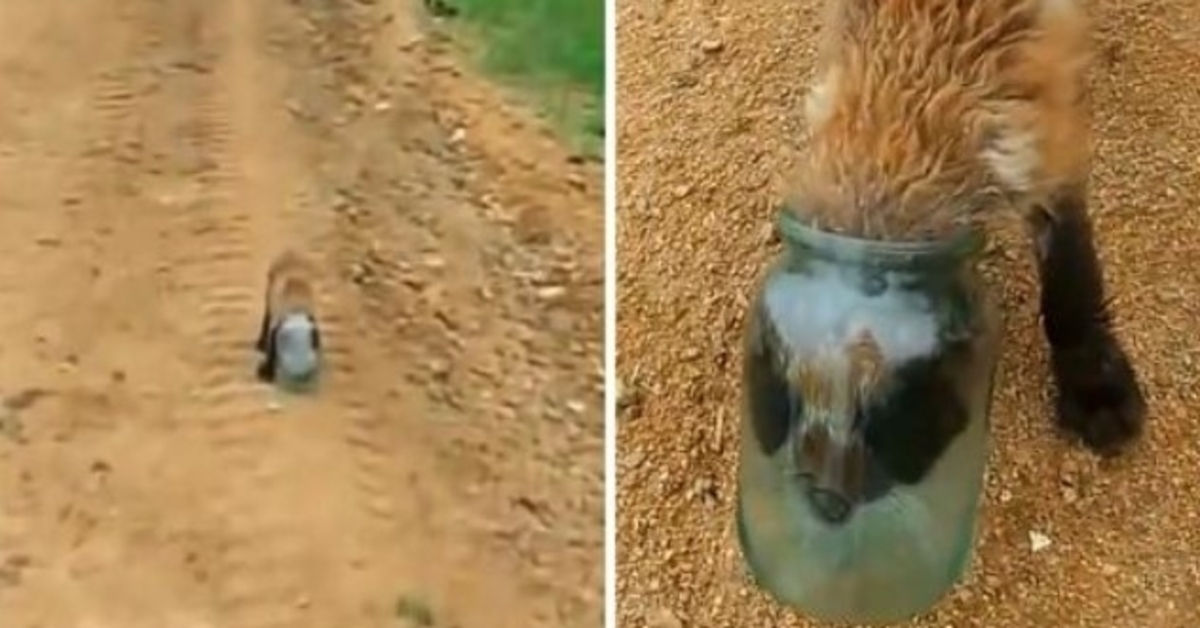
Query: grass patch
(414,612)
(551,49)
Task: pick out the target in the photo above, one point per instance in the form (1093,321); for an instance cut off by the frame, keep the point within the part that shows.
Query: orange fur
(290,285)
(927,114)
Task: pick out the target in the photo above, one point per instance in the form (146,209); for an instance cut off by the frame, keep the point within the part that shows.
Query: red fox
(289,338)
(930,115)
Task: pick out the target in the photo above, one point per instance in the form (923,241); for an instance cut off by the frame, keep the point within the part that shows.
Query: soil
(709,112)
(155,155)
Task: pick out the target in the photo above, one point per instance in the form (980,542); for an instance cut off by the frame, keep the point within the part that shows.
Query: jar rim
(953,249)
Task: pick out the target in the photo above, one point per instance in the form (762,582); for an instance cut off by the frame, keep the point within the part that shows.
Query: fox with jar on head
(928,116)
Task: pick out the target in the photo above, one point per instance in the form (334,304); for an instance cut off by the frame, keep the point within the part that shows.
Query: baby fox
(289,338)
(928,116)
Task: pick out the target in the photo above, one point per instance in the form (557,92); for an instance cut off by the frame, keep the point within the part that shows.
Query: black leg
(266,368)
(264,330)
(316,337)
(1098,395)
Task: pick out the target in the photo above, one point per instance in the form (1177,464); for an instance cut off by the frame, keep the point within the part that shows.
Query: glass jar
(867,381)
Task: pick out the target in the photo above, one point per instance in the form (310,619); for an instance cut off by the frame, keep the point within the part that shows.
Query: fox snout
(831,469)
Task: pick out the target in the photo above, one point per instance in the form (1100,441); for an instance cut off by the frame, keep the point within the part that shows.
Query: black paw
(1099,398)
(265,372)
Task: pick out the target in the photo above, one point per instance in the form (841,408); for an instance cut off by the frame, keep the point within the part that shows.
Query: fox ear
(774,406)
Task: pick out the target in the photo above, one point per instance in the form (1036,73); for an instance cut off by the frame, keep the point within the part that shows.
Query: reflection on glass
(867,375)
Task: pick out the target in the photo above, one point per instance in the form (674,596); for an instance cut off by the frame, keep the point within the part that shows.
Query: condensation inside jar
(867,380)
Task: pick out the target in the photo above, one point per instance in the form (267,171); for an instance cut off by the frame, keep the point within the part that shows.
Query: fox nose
(832,507)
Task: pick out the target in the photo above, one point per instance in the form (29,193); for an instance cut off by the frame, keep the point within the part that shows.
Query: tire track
(276,564)
(366,429)
(393,205)
(114,155)
(258,583)
(241,509)
(105,303)
(369,429)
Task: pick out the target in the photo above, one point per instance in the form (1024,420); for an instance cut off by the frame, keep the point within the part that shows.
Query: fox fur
(930,114)
(289,338)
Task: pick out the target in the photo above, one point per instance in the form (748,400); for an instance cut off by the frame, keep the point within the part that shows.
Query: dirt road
(709,111)
(154,155)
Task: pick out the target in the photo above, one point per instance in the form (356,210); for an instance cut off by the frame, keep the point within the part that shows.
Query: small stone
(768,234)
(627,395)
(551,293)
(712,46)
(439,368)
(577,181)
(274,406)
(1038,541)
(359,273)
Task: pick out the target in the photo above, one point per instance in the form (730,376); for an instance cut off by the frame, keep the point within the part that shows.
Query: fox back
(930,114)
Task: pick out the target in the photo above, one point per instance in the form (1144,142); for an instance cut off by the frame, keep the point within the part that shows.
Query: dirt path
(709,107)
(153,158)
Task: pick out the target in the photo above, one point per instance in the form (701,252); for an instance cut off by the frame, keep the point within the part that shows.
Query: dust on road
(154,156)
(710,102)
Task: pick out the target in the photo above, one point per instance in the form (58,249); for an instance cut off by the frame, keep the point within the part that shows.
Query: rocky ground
(154,156)
(709,110)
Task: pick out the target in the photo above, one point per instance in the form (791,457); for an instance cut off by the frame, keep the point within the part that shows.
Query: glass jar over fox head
(867,375)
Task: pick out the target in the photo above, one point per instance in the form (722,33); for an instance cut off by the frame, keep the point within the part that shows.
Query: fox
(289,337)
(926,117)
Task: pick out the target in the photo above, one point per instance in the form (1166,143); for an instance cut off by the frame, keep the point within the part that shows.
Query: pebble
(577,181)
(551,293)
(1038,541)
(627,395)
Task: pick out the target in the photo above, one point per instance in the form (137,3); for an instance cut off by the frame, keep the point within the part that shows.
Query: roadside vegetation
(553,50)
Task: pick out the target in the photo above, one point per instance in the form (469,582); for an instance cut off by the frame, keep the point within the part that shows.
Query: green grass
(552,49)
(414,612)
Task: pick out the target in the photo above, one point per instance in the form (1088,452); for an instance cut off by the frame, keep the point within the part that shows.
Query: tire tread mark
(256,587)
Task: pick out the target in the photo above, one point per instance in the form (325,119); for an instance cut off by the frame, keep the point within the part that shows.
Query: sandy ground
(709,107)
(154,155)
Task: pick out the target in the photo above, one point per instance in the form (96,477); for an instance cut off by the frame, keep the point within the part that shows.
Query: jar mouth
(899,254)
